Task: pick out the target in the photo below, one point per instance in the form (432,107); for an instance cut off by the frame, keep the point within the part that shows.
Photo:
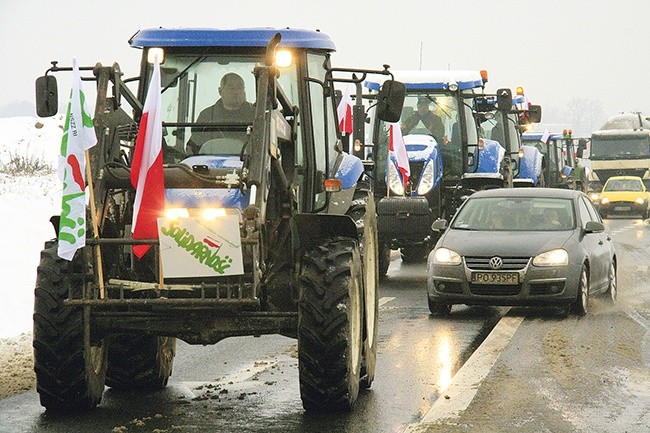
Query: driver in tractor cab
(231,107)
(430,121)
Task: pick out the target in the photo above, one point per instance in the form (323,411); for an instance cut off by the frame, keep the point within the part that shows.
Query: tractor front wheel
(330,325)
(70,367)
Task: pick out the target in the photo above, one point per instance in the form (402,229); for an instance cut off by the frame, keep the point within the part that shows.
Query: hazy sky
(557,49)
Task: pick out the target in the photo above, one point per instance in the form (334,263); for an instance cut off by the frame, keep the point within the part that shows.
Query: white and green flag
(78,135)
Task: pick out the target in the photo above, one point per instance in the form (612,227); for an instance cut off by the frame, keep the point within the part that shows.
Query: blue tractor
(254,238)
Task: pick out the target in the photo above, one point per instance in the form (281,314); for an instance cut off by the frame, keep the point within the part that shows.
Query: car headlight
(594,197)
(639,200)
(604,200)
(426,179)
(558,257)
(395,180)
(445,256)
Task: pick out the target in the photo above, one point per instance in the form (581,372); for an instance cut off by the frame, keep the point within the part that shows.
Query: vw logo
(496,263)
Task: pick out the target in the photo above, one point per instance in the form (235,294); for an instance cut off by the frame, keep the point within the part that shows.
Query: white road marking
(385,300)
(642,268)
(464,386)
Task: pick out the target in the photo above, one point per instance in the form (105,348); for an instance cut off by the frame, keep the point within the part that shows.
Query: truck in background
(621,147)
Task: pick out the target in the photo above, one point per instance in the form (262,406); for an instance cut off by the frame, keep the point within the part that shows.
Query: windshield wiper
(181,73)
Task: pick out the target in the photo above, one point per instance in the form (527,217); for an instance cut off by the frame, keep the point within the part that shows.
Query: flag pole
(94,216)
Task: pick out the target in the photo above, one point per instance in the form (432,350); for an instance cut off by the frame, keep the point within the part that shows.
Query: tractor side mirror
(390,101)
(582,145)
(47,96)
(504,99)
(535,113)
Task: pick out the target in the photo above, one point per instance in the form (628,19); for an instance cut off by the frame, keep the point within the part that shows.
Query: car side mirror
(594,227)
(439,225)
(47,96)
(390,101)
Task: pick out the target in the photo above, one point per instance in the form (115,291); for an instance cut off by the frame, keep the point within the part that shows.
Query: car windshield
(623,185)
(515,214)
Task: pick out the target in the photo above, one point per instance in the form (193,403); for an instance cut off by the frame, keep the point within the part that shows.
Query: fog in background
(583,61)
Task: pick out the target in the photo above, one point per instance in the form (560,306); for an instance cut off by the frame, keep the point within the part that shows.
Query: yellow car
(625,195)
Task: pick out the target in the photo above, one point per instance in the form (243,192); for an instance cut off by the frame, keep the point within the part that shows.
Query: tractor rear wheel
(70,368)
(330,325)
(140,361)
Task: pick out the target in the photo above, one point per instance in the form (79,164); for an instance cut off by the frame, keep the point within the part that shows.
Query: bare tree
(586,115)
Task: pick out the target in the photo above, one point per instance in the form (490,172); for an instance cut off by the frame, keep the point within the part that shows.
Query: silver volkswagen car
(522,246)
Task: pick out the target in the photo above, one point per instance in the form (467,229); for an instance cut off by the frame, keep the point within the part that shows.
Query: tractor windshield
(440,116)
(208,101)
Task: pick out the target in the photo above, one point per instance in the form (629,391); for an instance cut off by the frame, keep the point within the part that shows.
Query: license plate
(495,278)
(622,208)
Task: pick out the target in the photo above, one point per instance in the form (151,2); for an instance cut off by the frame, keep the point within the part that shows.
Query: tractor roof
(537,136)
(434,80)
(250,37)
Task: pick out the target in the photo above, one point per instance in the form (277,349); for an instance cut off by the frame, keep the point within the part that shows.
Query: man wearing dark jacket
(230,108)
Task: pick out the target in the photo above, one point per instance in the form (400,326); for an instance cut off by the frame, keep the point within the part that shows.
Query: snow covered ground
(26,204)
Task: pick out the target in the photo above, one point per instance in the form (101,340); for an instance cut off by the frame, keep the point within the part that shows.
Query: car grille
(509,263)
(494,290)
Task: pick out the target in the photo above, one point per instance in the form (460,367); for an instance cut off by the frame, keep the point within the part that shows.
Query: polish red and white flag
(344,111)
(147,168)
(397,146)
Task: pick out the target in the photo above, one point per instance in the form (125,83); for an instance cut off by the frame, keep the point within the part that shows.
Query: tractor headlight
(453,86)
(558,257)
(445,256)
(212,213)
(283,58)
(156,53)
(395,180)
(594,197)
(639,200)
(175,213)
(426,179)
(604,200)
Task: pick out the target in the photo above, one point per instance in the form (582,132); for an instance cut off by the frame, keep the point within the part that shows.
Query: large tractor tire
(330,325)
(370,295)
(70,368)
(140,361)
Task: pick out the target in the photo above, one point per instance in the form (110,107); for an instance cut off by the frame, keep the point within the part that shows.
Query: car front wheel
(612,290)
(580,305)
(439,309)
